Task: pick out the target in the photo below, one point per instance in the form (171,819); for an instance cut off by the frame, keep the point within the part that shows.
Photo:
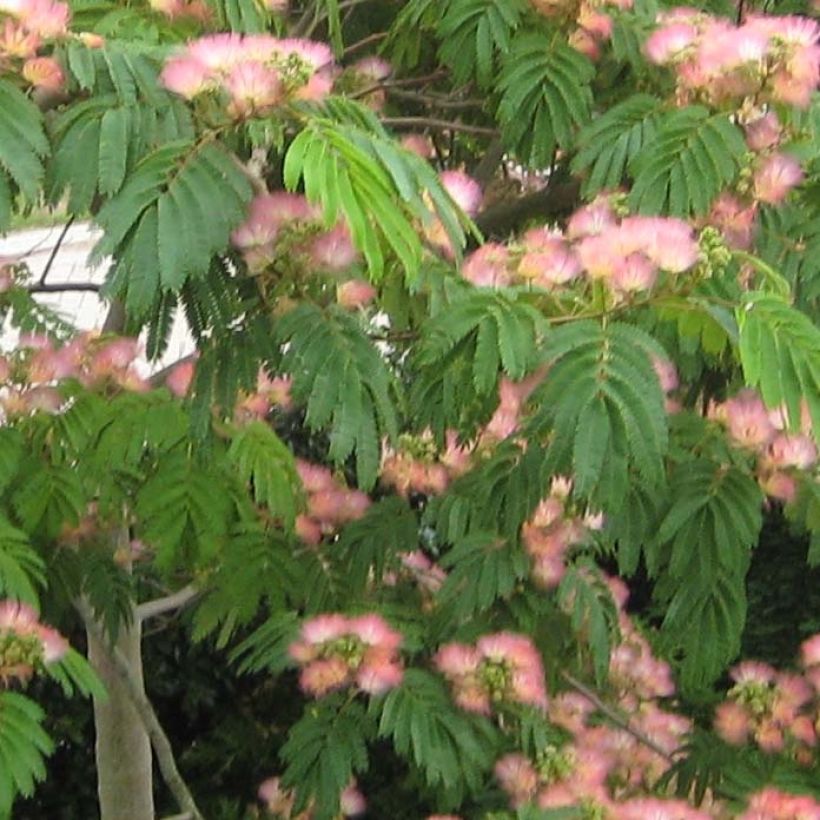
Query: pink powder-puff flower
(464,190)
(764,132)
(355,293)
(735,221)
(46,18)
(378,673)
(779,485)
(254,89)
(44,72)
(352,802)
(186,77)
(732,723)
(324,628)
(666,372)
(551,267)
(373,68)
(333,250)
(308,529)
(810,652)
(748,420)
(752,672)
(457,660)
(325,675)
(418,144)
(666,44)
(796,450)
(488,266)
(517,777)
(775,177)
(596,23)
(180,378)
(374,631)
(591,220)
(771,804)
(634,273)
(314,477)
(17,42)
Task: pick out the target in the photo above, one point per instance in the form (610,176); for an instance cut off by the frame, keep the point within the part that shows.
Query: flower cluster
(253,74)
(197,10)
(775,710)
(279,801)
(330,504)
(28,377)
(772,804)
(626,254)
(25,643)
(335,652)
(466,193)
(553,528)
(769,58)
(781,455)
(25,25)
(593,24)
(503,668)
(418,466)
(283,225)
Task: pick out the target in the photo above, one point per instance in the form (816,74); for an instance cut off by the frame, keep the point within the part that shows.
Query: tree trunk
(123,748)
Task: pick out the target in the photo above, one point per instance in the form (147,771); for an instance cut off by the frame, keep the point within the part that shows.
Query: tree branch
(441,125)
(159,740)
(63,287)
(554,200)
(616,718)
(55,250)
(168,603)
(365,41)
(434,100)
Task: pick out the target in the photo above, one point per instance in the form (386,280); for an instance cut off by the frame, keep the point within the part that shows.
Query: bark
(123,748)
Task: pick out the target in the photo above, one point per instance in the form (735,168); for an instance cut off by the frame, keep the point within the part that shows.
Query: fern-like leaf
(608,144)
(780,354)
(21,569)
(159,228)
(343,380)
(603,401)
(473,33)
(264,460)
(324,749)
(693,156)
(377,187)
(23,745)
(545,97)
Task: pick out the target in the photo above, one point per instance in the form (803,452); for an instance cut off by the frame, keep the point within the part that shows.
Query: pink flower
(186,77)
(179,379)
(17,42)
(754,672)
(780,486)
(253,87)
(456,660)
(735,221)
(378,674)
(592,219)
(634,273)
(44,72)
(324,675)
(46,18)
(333,250)
(732,723)
(487,266)
(374,631)
(748,420)
(775,177)
(667,374)
(666,43)
(324,628)
(552,266)
(517,777)
(771,804)
(797,451)
(352,802)
(464,190)
(810,651)
(355,293)
(418,144)
(764,132)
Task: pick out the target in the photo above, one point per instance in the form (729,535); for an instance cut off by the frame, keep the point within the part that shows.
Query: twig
(63,287)
(403,83)
(158,606)
(616,718)
(159,740)
(56,249)
(434,100)
(365,41)
(442,125)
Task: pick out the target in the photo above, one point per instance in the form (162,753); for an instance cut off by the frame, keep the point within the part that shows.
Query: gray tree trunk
(123,748)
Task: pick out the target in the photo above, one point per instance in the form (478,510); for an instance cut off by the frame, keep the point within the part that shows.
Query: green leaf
(609,143)
(344,381)
(23,143)
(771,329)
(262,459)
(23,746)
(473,33)
(21,569)
(545,97)
(452,748)
(693,156)
(324,749)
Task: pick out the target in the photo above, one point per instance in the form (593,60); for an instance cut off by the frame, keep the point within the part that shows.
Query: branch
(55,250)
(159,740)
(365,41)
(442,125)
(168,603)
(501,219)
(434,100)
(616,718)
(63,287)
(407,81)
